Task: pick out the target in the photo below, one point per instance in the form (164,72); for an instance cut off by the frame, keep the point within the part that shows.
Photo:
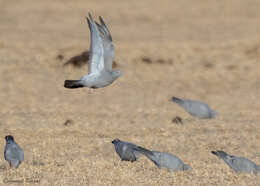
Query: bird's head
(220,153)
(116,74)
(9,138)
(115,141)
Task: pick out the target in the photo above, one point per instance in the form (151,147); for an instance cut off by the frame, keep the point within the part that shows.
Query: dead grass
(66,134)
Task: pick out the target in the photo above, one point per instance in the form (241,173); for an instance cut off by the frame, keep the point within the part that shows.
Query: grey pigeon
(13,152)
(126,151)
(196,108)
(165,160)
(100,73)
(238,164)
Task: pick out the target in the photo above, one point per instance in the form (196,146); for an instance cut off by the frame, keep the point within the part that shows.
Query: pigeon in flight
(126,151)
(196,108)
(165,160)
(13,152)
(100,72)
(238,164)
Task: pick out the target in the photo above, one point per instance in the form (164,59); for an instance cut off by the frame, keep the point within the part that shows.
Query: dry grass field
(202,50)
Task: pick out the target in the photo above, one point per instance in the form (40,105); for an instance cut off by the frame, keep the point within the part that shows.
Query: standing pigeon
(195,108)
(100,73)
(13,152)
(238,164)
(165,160)
(126,151)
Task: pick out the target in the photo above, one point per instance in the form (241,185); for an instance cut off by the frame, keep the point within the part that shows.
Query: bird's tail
(258,168)
(177,100)
(186,167)
(149,154)
(145,151)
(73,84)
(14,163)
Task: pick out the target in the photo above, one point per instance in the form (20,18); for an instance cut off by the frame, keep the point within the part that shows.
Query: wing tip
(88,22)
(105,27)
(101,20)
(90,16)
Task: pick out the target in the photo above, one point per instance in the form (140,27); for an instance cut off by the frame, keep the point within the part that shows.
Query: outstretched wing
(108,46)
(96,61)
